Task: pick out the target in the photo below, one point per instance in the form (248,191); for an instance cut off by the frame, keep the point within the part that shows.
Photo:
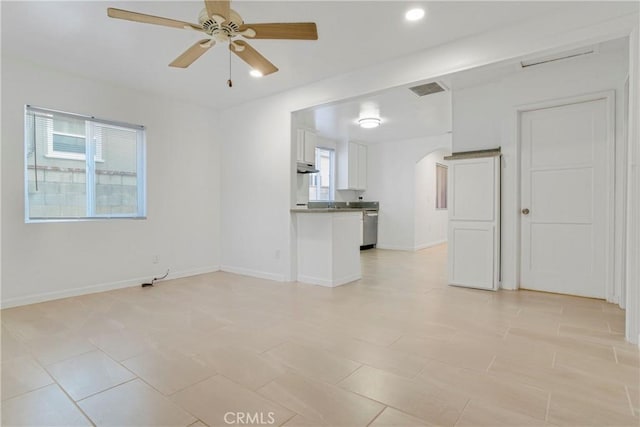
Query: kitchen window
(80,167)
(441,186)
(322,183)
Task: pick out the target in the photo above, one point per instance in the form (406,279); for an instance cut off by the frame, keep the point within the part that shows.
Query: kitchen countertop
(325,210)
(332,206)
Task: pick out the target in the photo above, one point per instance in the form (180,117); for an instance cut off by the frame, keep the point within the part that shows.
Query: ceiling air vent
(427,89)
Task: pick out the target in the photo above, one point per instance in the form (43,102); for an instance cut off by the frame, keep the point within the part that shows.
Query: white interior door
(565,198)
(474,222)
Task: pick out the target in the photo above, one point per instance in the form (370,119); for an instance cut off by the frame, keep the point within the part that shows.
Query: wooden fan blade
(291,31)
(218,8)
(193,53)
(253,58)
(150,19)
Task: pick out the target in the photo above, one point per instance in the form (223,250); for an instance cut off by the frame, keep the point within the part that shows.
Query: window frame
(69,155)
(332,174)
(93,151)
(442,182)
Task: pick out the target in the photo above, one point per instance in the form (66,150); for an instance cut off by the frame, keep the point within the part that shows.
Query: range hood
(306,168)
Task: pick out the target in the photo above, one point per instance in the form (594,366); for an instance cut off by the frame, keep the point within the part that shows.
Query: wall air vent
(558,56)
(427,89)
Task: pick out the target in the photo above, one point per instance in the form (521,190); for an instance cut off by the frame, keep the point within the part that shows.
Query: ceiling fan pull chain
(229,82)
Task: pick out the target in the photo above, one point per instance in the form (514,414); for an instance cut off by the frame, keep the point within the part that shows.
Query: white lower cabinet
(328,247)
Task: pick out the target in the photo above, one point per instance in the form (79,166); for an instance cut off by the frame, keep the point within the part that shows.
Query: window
(79,167)
(66,138)
(321,184)
(441,186)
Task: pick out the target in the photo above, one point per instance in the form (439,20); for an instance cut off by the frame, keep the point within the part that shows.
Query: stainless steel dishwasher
(370,228)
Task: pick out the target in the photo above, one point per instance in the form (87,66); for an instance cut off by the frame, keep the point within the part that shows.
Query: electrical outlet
(155,259)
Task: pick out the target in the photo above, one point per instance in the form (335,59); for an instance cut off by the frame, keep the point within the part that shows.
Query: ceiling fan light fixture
(255,73)
(369,122)
(415,14)
(224,25)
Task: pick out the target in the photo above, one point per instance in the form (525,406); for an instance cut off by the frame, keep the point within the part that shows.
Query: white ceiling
(77,36)
(405,115)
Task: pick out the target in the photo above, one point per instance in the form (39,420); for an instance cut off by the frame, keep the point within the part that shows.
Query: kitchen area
(331,232)
(355,166)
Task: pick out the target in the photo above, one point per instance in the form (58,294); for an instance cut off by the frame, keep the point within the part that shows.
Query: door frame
(613,205)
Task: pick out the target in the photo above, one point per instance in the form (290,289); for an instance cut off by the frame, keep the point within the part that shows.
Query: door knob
(525,211)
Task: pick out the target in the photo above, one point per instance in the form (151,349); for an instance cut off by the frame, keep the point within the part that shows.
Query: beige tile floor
(398,347)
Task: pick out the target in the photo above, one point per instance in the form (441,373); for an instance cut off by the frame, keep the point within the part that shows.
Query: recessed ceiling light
(255,73)
(369,122)
(414,14)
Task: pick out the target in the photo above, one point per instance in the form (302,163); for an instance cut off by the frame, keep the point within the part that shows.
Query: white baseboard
(409,248)
(430,244)
(253,273)
(509,286)
(394,248)
(102,287)
(329,283)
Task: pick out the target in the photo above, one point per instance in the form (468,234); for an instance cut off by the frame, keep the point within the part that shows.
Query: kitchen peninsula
(328,241)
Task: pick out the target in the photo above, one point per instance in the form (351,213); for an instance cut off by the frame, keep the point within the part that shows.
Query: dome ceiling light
(369,122)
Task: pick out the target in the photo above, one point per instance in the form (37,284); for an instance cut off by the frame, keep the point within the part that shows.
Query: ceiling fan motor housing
(221,31)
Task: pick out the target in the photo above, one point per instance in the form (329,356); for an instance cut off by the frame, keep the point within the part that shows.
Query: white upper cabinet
(362,167)
(352,167)
(306,147)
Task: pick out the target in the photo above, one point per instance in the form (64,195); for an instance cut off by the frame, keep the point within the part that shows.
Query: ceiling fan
(223,24)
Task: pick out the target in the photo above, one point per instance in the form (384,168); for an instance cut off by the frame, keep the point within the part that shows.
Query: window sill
(81,219)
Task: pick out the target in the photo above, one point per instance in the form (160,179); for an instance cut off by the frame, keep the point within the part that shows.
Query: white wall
(392,181)
(258,172)
(257,229)
(52,260)
(485,117)
(430,223)
(632,331)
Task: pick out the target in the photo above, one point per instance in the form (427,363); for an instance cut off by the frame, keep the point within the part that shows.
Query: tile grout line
(394,341)
(383,404)
(491,363)
(506,333)
(107,389)
(185,411)
(392,406)
(615,354)
(75,403)
(186,387)
(29,391)
(546,414)
(462,412)
(626,389)
(347,376)
(295,414)
(377,415)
